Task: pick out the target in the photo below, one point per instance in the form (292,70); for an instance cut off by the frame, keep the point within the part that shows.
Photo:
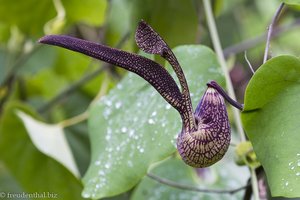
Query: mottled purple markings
(205,134)
(209,143)
(151,42)
(215,85)
(151,71)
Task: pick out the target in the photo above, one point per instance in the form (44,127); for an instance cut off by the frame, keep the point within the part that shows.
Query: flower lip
(217,87)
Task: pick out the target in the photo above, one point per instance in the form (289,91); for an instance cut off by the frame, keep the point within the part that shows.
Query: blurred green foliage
(53,84)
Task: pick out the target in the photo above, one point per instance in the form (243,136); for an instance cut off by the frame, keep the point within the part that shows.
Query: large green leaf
(133,126)
(271,120)
(34,172)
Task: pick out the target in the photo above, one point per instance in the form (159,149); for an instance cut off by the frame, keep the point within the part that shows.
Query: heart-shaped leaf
(271,120)
(133,126)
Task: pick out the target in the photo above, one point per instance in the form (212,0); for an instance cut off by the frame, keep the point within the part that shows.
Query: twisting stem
(217,46)
(270,31)
(192,188)
(248,62)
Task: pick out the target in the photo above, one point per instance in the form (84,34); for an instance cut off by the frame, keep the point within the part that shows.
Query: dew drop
(131,133)
(101,172)
(107,137)
(124,129)
(97,162)
(108,102)
(142,150)
(119,86)
(118,105)
(97,186)
(107,166)
(286,183)
(168,106)
(298,163)
(154,113)
(151,121)
(106,113)
(298,174)
(129,163)
(86,195)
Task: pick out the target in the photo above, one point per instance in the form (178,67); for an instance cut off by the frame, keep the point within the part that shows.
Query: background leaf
(271,120)
(91,12)
(137,127)
(34,171)
(50,140)
(292,2)
(181,12)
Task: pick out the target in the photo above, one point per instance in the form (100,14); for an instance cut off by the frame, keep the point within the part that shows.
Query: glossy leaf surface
(133,126)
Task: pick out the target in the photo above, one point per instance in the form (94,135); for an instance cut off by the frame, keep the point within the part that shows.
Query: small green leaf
(133,126)
(245,155)
(34,171)
(50,140)
(271,120)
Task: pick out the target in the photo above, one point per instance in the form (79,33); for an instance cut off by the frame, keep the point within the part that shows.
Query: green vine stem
(217,46)
(74,120)
(193,188)
(270,31)
(84,116)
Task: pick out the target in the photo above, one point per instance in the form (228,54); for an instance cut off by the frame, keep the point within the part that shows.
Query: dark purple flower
(205,134)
